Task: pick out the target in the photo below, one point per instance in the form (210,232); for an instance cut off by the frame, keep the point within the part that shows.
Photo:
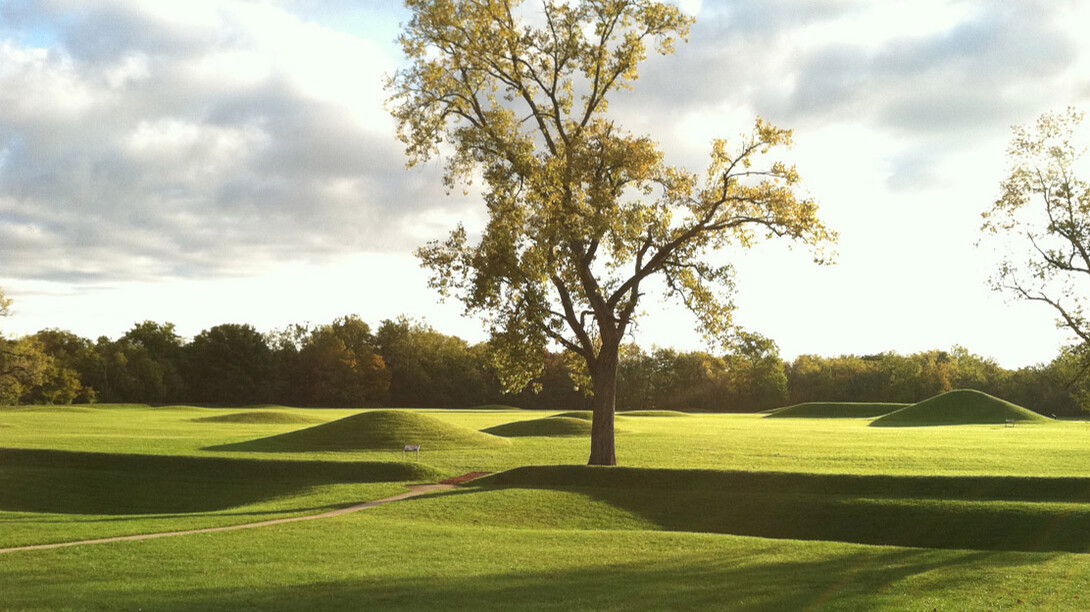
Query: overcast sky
(206,162)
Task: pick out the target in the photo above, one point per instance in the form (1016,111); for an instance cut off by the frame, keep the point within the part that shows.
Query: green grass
(959,407)
(260,417)
(373,430)
(705,441)
(711,511)
(97,483)
(995,513)
(653,413)
(586,415)
(835,410)
(548,427)
(56,496)
(367,561)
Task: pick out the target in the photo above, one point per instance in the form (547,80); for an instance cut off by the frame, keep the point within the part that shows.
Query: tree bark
(603,447)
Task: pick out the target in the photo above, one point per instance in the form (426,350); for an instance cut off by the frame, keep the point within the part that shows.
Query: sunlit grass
(678,536)
(714,441)
(375,562)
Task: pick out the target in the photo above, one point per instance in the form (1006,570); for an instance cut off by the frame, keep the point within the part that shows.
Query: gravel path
(413,491)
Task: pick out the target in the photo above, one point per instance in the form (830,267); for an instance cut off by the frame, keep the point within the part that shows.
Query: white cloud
(145,142)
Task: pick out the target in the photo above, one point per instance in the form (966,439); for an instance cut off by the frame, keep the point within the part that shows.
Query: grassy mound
(959,407)
(549,426)
(50,409)
(586,415)
(835,410)
(495,407)
(653,413)
(182,408)
(259,417)
(964,512)
(106,483)
(374,430)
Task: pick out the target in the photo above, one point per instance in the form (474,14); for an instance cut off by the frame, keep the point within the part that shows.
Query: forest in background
(404,363)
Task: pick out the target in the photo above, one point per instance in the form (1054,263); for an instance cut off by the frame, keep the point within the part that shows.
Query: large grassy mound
(549,426)
(106,483)
(959,407)
(835,410)
(259,417)
(374,430)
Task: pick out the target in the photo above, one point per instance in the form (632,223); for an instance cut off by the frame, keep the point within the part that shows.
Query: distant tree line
(404,363)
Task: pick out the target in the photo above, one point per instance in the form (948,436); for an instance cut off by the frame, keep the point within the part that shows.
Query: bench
(410,448)
(1009,423)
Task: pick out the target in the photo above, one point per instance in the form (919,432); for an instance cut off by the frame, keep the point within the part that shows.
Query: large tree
(582,214)
(1042,219)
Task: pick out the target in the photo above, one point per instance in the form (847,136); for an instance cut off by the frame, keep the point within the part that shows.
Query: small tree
(582,214)
(5,304)
(1042,218)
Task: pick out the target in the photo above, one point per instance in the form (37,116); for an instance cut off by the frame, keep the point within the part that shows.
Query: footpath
(414,490)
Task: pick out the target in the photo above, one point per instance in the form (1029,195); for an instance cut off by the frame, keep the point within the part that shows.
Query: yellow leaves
(580,211)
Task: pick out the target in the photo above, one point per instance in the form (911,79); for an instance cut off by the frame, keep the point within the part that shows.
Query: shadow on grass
(256,514)
(100,483)
(743,576)
(1016,514)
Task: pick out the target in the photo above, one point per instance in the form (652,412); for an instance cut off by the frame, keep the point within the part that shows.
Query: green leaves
(581,212)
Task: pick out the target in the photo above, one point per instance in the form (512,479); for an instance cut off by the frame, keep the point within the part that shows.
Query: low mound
(71,482)
(835,410)
(654,413)
(259,417)
(959,407)
(374,430)
(57,409)
(952,512)
(586,415)
(553,426)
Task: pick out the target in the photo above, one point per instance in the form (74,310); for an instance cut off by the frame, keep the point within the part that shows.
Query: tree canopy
(582,213)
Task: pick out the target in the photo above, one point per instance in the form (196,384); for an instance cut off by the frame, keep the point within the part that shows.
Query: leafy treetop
(581,212)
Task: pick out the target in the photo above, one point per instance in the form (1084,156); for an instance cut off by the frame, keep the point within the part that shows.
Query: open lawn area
(723,511)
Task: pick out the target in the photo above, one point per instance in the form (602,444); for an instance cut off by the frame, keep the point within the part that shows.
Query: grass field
(722,511)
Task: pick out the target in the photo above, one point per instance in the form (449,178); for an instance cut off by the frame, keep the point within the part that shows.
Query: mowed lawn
(740,512)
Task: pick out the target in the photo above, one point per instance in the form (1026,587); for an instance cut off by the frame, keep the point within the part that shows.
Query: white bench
(410,448)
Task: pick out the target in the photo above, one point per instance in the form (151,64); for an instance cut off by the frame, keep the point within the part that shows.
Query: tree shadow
(718,576)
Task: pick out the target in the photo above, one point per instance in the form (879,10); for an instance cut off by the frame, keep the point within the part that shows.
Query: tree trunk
(603,448)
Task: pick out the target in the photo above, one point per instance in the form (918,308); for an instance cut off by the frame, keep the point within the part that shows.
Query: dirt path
(413,491)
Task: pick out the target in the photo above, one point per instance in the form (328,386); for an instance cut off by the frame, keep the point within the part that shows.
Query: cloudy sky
(215,161)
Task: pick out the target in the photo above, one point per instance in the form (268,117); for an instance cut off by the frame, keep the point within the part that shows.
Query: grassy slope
(510,547)
(835,410)
(367,561)
(728,441)
(57,496)
(264,417)
(373,430)
(550,426)
(992,513)
(959,407)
